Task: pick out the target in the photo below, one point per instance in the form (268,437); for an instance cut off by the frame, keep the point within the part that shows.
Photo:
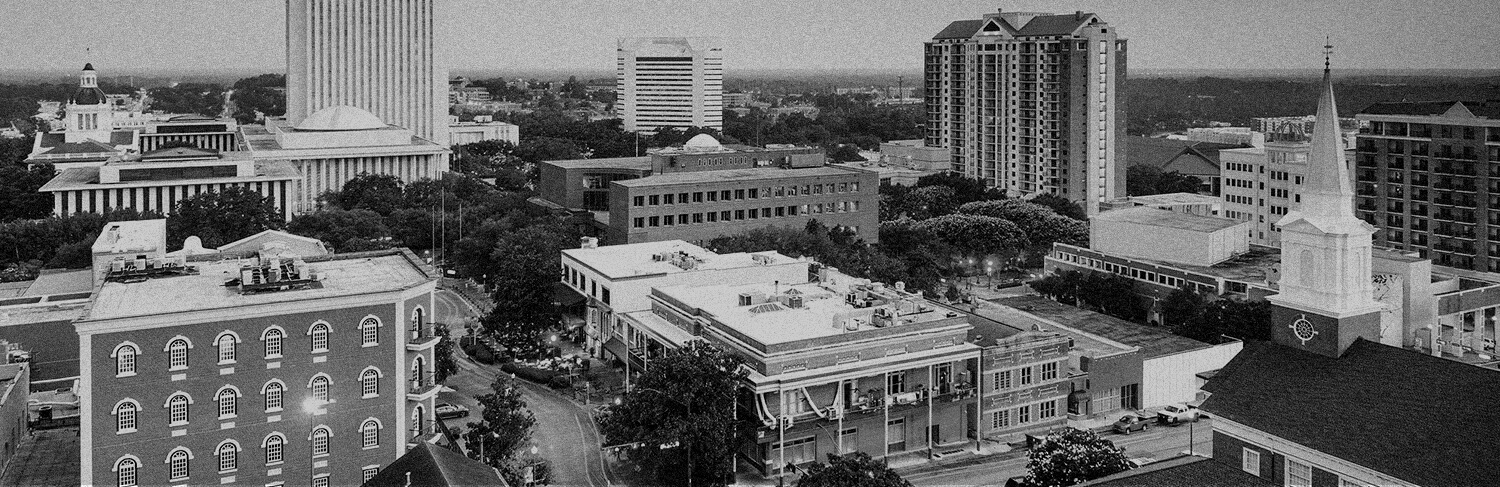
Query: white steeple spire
(1327,191)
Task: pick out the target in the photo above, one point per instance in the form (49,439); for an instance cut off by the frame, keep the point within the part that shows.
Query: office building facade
(674,82)
(1028,103)
(315,371)
(380,56)
(1428,176)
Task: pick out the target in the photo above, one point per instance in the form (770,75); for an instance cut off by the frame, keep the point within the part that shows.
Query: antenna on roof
(1327,54)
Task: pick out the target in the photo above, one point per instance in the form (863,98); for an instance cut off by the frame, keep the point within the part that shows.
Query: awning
(565,296)
(615,347)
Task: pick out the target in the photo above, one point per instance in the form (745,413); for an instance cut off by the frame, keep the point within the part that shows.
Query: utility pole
(901,87)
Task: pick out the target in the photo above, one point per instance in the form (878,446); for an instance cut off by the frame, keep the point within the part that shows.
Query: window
(226,348)
(125,360)
(655,221)
(125,472)
(668,199)
(319,334)
(370,433)
(272,392)
(320,481)
(177,409)
(125,416)
(895,383)
(1250,461)
(369,330)
(1298,474)
(849,437)
(273,445)
(655,200)
(639,201)
(369,473)
(228,457)
(1026,376)
(272,338)
(227,402)
(1023,415)
(1049,371)
(178,351)
(1001,419)
(369,382)
(319,386)
(638,222)
(1002,380)
(320,441)
(179,464)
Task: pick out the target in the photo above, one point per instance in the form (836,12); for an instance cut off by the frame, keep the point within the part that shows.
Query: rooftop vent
(140,268)
(280,273)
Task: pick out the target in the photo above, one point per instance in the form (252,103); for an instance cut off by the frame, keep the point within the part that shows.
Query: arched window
(125,412)
(226,348)
(319,386)
(319,334)
(416,322)
(320,441)
(369,382)
(419,377)
(229,456)
(273,337)
(272,445)
(369,331)
(417,422)
(178,462)
(125,359)
(178,350)
(227,402)
(272,392)
(370,433)
(125,471)
(177,409)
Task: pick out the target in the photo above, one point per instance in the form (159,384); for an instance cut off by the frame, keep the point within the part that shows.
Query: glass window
(125,417)
(228,457)
(177,410)
(1298,474)
(668,199)
(369,383)
(639,222)
(697,196)
(320,441)
(1046,410)
(754,193)
(273,343)
(226,403)
(273,397)
(125,472)
(226,349)
(1001,419)
(179,465)
(370,331)
(1023,415)
(370,434)
(1049,371)
(125,360)
(1026,376)
(370,473)
(638,201)
(178,351)
(655,200)
(655,221)
(1002,380)
(1250,461)
(273,449)
(320,388)
(320,338)
(321,481)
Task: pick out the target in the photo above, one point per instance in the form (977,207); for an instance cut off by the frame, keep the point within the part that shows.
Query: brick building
(269,370)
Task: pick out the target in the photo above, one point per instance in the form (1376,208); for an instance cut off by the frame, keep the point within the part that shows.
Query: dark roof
(89,96)
(1485,109)
(1054,25)
(1419,418)
(1153,341)
(176,152)
(88,66)
(1183,471)
(122,137)
(960,29)
(1184,156)
(434,466)
(85,147)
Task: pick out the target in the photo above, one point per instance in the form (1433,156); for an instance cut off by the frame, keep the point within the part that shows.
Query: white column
(57,204)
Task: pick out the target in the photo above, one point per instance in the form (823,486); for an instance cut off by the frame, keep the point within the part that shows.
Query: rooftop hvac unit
(794,302)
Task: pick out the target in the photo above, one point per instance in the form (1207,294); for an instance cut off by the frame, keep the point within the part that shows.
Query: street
(1160,443)
(565,434)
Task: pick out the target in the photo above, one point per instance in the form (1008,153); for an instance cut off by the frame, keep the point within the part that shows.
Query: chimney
(1077,15)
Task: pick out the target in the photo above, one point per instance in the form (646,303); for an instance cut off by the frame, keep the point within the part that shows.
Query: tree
(681,413)
(381,193)
(223,216)
(845,153)
(446,366)
(857,470)
(345,230)
(522,269)
(1062,206)
(504,427)
(974,235)
(19,195)
(1073,456)
(199,98)
(1143,180)
(1043,226)
(1245,320)
(965,190)
(1181,307)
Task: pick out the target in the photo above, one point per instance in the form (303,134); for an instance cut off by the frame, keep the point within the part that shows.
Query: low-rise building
(484,127)
(15,386)
(157,180)
(1187,157)
(704,190)
(913,154)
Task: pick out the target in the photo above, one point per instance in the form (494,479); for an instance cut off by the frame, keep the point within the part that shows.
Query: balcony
(419,338)
(422,388)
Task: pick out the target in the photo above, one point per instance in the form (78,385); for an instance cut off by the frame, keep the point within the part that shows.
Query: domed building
(89,136)
(335,144)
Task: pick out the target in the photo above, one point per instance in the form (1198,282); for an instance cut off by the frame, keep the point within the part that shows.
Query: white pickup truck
(1178,413)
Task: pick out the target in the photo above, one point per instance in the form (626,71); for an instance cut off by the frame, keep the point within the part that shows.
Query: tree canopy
(344,230)
(681,412)
(223,216)
(504,427)
(1143,180)
(1073,456)
(856,470)
(200,98)
(976,236)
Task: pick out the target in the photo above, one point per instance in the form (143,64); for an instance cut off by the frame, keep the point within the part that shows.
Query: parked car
(1130,423)
(449,410)
(1178,413)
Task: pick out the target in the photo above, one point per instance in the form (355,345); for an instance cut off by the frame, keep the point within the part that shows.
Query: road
(1160,443)
(565,434)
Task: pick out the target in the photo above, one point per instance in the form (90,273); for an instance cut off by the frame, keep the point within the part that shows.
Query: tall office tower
(270,369)
(1429,177)
(1027,102)
(670,82)
(376,55)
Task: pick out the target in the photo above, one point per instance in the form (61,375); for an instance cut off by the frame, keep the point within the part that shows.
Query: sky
(883,35)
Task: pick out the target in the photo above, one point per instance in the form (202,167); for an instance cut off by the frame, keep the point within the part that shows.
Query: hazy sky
(136,35)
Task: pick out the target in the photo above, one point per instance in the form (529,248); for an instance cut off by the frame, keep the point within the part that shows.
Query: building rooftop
(775,314)
(431,465)
(1184,156)
(88,177)
(48,458)
(1153,341)
(1020,315)
(638,163)
(61,281)
(1483,109)
(1144,215)
(132,236)
(1182,471)
(1036,25)
(666,257)
(338,275)
(745,174)
(1175,199)
(39,313)
(1422,419)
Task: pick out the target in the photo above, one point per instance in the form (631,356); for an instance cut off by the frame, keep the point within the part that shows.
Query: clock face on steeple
(1303,329)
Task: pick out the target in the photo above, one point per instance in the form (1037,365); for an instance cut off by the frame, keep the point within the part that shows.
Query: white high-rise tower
(670,82)
(376,55)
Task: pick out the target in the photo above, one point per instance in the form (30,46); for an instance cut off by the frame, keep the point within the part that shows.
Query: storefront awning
(616,347)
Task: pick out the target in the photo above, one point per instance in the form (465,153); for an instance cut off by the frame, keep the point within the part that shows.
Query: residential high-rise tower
(670,82)
(1027,102)
(376,55)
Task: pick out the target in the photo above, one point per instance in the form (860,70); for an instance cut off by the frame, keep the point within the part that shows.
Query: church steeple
(1326,297)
